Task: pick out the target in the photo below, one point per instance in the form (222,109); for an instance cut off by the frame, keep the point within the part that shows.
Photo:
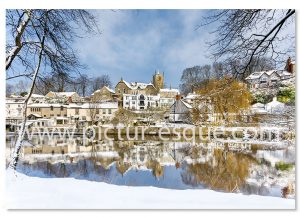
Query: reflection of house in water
(143,155)
(66,146)
(286,156)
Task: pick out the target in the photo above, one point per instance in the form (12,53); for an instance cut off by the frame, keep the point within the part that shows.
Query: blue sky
(134,43)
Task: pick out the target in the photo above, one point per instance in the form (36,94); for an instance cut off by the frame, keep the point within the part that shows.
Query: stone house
(103,94)
(267,79)
(68,96)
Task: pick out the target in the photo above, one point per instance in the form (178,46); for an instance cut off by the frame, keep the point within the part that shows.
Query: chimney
(290,66)
(178,97)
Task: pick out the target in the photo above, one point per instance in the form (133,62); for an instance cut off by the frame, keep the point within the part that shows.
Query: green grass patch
(283,166)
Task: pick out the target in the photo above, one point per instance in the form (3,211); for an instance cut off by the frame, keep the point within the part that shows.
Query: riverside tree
(42,39)
(227,96)
(246,34)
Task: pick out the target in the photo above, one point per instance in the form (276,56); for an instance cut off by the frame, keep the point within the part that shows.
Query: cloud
(134,43)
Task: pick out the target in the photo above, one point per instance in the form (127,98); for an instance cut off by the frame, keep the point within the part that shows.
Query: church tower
(158,80)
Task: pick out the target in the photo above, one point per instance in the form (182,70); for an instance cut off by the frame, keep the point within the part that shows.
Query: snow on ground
(24,192)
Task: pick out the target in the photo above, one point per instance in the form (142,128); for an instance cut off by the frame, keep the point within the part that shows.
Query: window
(76,111)
(61,108)
(59,122)
(109,111)
(51,108)
(83,118)
(104,110)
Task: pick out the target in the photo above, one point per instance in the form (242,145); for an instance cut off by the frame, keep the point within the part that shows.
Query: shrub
(283,166)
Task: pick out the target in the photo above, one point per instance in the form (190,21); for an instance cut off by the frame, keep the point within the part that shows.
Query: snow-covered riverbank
(24,192)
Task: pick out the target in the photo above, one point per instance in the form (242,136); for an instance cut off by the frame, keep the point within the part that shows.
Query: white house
(92,111)
(266,79)
(275,107)
(140,101)
(258,108)
(68,96)
(179,111)
(167,97)
(191,97)
(14,107)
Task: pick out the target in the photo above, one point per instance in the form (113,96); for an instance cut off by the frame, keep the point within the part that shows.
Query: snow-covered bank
(24,192)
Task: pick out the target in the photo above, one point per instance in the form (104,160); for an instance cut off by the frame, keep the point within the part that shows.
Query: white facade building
(275,107)
(265,79)
(92,111)
(140,101)
(14,107)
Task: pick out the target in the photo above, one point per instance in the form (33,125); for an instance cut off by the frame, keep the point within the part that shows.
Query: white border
(126,4)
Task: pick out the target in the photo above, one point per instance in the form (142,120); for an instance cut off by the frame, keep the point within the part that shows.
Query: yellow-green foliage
(283,166)
(227,95)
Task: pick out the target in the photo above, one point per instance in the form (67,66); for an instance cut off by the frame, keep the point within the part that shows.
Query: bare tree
(249,34)
(101,81)
(83,82)
(9,89)
(42,39)
(193,78)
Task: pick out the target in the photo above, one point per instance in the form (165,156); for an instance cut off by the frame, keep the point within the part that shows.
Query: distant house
(275,107)
(47,110)
(191,98)
(179,111)
(167,97)
(134,88)
(14,107)
(140,101)
(267,79)
(69,96)
(258,108)
(101,111)
(103,94)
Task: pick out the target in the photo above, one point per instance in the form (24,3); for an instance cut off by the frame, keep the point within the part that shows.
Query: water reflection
(173,165)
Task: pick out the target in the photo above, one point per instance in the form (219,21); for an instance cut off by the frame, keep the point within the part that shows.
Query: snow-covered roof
(109,89)
(36,115)
(37,96)
(137,85)
(274,103)
(191,96)
(112,105)
(67,94)
(45,105)
(14,101)
(63,94)
(186,104)
(258,105)
(257,75)
(169,90)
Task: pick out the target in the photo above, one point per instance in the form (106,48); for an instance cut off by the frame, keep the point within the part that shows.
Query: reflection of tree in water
(122,167)
(156,167)
(225,171)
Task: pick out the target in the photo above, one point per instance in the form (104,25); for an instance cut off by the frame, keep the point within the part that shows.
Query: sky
(133,44)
